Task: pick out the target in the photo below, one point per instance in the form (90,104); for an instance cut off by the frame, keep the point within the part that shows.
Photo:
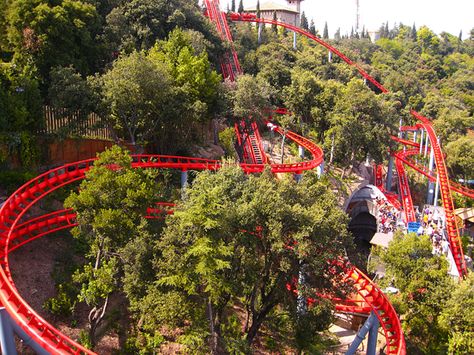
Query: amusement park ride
(18,317)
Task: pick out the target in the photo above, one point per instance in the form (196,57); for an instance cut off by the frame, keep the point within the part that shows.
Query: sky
(439,15)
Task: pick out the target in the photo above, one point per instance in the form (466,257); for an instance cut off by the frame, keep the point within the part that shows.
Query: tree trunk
(257,320)
(96,315)
(283,147)
(211,326)
(331,156)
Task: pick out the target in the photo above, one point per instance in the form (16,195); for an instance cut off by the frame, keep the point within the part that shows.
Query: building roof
(272,6)
(465,214)
(382,239)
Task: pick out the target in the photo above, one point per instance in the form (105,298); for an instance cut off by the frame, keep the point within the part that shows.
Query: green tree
(301,95)
(138,24)
(304,21)
(413,33)
(361,124)
(460,157)
(427,40)
(274,26)
(110,207)
(274,62)
(241,6)
(251,98)
(424,285)
(312,28)
(73,96)
(195,86)
(54,33)
(457,317)
(230,239)
(232,7)
(135,95)
(326,31)
(452,124)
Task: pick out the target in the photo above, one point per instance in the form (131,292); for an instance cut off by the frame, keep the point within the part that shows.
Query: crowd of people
(430,222)
(388,216)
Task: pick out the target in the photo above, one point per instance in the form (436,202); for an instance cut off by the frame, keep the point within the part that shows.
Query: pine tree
(304,22)
(232,7)
(258,12)
(460,36)
(382,32)
(275,27)
(326,31)
(352,32)
(413,34)
(386,30)
(241,6)
(312,28)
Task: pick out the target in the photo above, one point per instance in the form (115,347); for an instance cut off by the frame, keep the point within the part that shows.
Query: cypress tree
(258,12)
(232,7)
(413,34)
(241,6)
(274,27)
(352,32)
(337,35)
(326,31)
(312,28)
(304,22)
(387,31)
(460,36)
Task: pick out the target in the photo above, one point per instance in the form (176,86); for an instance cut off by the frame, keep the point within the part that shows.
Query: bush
(64,303)
(227,140)
(13,179)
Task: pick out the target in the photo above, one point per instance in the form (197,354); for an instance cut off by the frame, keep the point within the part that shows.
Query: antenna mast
(357,16)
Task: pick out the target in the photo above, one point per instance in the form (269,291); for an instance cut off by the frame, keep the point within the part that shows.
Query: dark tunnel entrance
(363,225)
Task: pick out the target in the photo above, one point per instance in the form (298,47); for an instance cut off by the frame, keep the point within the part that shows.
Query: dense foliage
(149,68)
(429,300)
(41,42)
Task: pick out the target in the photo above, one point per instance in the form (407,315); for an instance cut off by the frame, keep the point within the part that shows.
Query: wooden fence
(60,122)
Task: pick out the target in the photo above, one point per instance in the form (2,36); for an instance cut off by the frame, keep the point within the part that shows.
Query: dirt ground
(32,266)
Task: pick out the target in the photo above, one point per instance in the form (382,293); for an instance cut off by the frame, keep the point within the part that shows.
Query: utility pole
(357,16)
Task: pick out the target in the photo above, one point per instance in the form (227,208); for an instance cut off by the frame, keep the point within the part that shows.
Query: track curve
(15,207)
(373,297)
(453,232)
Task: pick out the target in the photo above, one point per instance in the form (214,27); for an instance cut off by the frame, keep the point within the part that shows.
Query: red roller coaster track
(13,234)
(453,232)
(20,234)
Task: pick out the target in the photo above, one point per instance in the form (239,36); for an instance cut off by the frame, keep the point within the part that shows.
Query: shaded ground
(32,267)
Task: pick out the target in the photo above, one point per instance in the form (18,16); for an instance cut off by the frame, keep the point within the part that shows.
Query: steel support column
(370,324)
(372,340)
(388,182)
(421,141)
(7,341)
(426,143)
(320,169)
(298,176)
(436,192)
(184,179)
(301,151)
(430,193)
